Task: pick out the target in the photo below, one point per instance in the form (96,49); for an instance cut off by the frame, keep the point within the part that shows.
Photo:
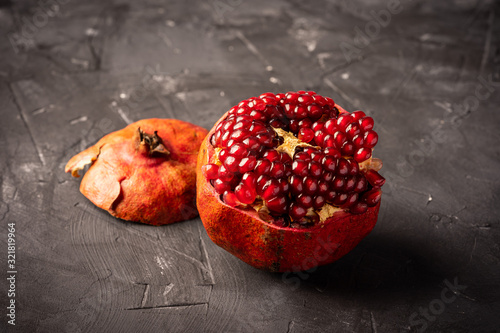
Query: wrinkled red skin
(132,185)
(266,246)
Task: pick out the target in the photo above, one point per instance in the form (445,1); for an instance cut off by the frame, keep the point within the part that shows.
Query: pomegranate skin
(134,185)
(267,246)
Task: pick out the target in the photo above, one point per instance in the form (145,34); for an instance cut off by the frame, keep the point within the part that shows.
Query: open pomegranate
(287,182)
(144,172)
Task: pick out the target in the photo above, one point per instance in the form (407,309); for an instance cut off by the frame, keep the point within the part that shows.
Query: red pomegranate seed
(361,184)
(285,158)
(353,167)
(270,189)
(358,141)
(256,115)
(272,155)
(252,143)
(238,150)
(318,202)
(315,169)
(329,141)
(305,123)
(340,138)
(302,156)
(359,208)
(320,100)
(242,125)
(357,115)
(296,185)
(245,194)
(278,204)
(331,126)
(247,164)
(372,197)
(332,152)
(225,174)
(305,201)
(210,171)
(323,187)
(228,125)
(349,184)
(351,199)
(306,134)
(262,167)
(231,163)
(338,183)
(300,168)
(265,139)
(330,102)
(317,156)
(371,139)
(310,185)
(305,99)
(294,125)
(330,196)
(342,167)
(249,179)
(374,178)
(340,199)
(327,176)
(343,120)
(257,128)
(292,96)
(300,112)
(329,163)
(297,212)
(277,170)
(347,149)
(221,186)
(319,137)
(259,104)
(366,123)
(314,111)
(261,181)
(276,123)
(362,154)
(317,126)
(352,130)
(230,199)
(284,186)
(238,135)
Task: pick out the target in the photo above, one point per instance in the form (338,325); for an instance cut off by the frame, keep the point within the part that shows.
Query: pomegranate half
(287,182)
(144,172)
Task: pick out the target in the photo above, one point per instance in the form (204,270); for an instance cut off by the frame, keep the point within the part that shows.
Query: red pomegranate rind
(133,185)
(267,246)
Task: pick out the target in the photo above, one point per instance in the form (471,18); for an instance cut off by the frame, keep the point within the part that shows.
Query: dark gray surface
(92,67)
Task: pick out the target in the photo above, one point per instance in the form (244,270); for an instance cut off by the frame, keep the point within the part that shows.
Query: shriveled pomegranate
(287,182)
(144,172)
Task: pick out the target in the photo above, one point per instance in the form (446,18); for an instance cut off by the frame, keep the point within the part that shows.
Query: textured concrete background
(428,72)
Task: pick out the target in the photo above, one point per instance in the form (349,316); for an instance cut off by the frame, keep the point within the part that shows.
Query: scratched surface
(429,73)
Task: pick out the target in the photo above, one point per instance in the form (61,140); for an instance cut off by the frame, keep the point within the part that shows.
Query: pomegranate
(287,182)
(144,172)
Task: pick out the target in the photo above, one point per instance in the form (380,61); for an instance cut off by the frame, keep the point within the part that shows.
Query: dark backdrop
(427,71)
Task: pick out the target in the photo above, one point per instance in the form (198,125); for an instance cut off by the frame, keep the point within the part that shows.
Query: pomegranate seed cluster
(289,155)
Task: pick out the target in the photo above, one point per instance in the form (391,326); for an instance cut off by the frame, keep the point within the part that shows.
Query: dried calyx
(151,144)
(296,158)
